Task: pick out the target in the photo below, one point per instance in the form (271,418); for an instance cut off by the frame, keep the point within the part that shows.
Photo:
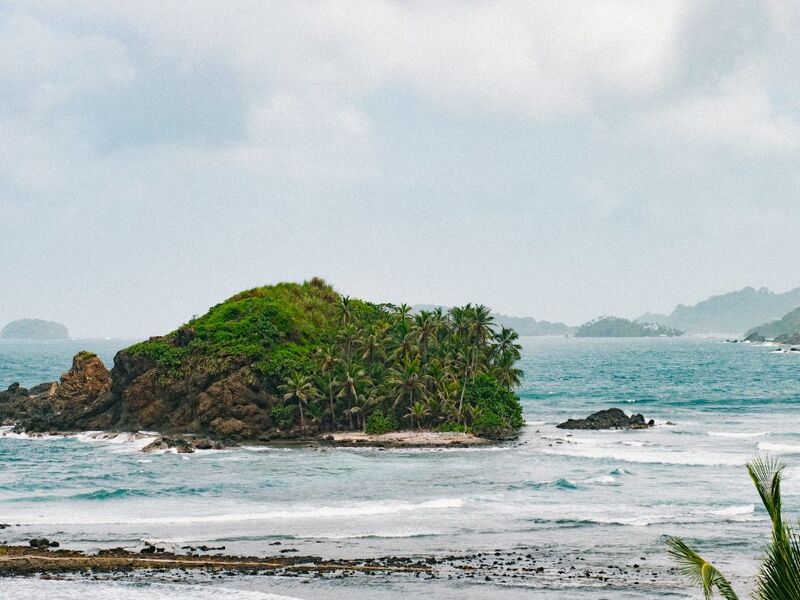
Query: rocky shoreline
(152,442)
(85,401)
(529,567)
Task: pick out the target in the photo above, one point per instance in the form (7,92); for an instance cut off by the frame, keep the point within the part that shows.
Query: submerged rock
(612,418)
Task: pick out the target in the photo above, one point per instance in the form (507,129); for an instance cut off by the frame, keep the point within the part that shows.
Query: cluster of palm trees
(412,368)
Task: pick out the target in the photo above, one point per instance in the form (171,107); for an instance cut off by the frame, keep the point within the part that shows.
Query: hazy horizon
(553,161)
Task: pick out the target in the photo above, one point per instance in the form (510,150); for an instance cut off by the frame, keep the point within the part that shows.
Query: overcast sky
(552,159)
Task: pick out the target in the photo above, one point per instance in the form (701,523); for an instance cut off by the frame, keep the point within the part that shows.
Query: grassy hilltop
(329,362)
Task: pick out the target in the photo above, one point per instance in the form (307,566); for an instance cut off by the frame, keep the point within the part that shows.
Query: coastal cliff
(291,361)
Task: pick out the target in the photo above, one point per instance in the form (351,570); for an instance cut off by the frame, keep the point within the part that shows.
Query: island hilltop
(292,361)
(617,327)
(34,329)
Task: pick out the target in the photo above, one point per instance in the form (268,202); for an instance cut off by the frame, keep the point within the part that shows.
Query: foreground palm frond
(700,571)
(779,576)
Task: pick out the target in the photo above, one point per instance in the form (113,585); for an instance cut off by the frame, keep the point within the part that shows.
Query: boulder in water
(612,418)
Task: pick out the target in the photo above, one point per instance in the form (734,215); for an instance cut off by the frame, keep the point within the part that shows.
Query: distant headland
(34,329)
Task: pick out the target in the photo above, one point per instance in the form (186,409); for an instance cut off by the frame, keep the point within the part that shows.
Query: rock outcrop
(135,396)
(81,400)
(612,418)
(755,337)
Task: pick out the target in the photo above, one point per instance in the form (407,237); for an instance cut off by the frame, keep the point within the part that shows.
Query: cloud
(737,115)
(42,68)
(306,139)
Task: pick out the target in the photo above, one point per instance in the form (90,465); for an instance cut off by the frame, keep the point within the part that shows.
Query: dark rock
(148,549)
(42,543)
(755,337)
(612,418)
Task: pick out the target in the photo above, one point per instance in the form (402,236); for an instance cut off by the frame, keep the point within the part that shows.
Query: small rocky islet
(611,418)
(291,362)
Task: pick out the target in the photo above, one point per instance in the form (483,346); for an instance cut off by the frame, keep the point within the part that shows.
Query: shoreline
(530,567)
(152,441)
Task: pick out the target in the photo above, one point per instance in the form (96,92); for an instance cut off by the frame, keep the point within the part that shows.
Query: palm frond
(779,576)
(700,571)
(766,476)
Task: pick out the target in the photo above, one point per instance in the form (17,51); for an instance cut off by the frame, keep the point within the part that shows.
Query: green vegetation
(779,576)
(336,362)
(617,327)
(34,329)
(782,329)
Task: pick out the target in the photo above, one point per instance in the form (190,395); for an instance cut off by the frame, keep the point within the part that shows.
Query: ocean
(591,500)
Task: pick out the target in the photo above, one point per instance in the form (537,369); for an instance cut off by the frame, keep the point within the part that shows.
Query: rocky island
(618,327)
(293,362)
(34,329)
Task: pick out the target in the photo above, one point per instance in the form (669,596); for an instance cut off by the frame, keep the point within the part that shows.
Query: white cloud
(306,139)
(45,67)
(737,115)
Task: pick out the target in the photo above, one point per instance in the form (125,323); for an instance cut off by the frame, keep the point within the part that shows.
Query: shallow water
(609,498)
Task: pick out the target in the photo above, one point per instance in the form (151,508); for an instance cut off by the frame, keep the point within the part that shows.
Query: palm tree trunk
(333,410)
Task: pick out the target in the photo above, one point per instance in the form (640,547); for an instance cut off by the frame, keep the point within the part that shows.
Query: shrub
(283,415)
(497,409)
(451,427)
(378,423)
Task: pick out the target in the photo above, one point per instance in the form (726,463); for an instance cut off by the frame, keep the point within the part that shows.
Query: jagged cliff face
(81,400)
(136,395)
(231,404)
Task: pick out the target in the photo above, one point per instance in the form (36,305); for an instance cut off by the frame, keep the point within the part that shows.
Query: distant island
(729,313)
(295,361)
(34,329)
(527,326)
(784,330)
(618,327)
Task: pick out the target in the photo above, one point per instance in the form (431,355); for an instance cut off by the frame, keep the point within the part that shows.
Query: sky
(560,160)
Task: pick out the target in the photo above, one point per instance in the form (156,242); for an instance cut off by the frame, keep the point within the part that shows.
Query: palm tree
(417,411)
(505,372)
(327,364)
(402,312)
(372,348)
(779,576)
(506,342)
(408,382)
(345,310)
(352,381)
(300,388)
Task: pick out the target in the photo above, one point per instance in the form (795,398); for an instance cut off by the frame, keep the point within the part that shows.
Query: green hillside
(342,363)
(784,327)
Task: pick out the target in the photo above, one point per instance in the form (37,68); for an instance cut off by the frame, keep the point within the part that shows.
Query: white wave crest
(738,434)
(778,448)
(366,509)
(601,449)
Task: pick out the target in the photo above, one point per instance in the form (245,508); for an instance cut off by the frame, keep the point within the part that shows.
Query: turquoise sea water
(609,498)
